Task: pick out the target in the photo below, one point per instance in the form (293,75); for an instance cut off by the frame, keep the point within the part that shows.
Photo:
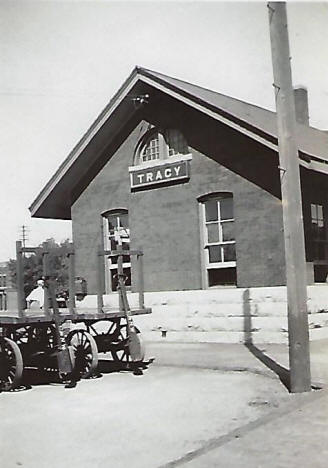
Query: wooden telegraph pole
(299,355)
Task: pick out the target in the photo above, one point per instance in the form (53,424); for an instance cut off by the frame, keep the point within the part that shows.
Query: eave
(55,200)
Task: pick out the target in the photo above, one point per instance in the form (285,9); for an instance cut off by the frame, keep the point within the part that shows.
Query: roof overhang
(55,200)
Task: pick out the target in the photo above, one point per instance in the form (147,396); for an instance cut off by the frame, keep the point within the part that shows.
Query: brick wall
(164,221)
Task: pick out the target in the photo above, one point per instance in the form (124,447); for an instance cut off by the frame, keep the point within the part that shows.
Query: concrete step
(216,337)
(236,298)
(161,320)
(318,320)
(223,314)
(157,321)
(221,310)
(317,295)
(262,337)
(318,333)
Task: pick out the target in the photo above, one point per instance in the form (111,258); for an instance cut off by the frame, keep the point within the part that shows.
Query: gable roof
(54,201)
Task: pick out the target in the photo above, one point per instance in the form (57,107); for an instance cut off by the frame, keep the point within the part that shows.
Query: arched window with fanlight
(219,243)
(161,144)
(116,222)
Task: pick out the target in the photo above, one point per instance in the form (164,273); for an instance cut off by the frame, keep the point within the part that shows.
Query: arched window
(218,234)
(116,222)
(161,144)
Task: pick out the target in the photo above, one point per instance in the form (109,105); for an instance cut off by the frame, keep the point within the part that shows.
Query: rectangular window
(317,222)
(116,221)
(319,242)
(211,210)
(219,240)
(222,277)
(318,233)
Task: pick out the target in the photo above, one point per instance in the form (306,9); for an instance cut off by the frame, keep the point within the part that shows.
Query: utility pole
(298,331)
(24,234)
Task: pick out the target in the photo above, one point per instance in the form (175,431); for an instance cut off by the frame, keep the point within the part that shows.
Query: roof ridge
(147,71)
(253,120)
(154,73)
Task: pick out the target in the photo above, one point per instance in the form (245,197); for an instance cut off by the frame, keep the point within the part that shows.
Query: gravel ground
(121,420)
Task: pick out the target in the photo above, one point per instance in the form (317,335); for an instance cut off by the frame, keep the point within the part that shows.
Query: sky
(61,62)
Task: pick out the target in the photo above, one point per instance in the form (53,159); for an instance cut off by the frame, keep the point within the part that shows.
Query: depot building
(191,177)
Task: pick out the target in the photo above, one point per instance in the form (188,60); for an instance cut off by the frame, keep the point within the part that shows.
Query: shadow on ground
(36,377)
(280,371)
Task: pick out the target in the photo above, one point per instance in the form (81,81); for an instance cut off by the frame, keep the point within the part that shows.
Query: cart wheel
(11,362)
(36,345)
(120,347)
(85,352)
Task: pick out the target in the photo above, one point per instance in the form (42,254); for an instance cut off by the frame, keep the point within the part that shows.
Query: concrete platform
(219,315)
(232,315)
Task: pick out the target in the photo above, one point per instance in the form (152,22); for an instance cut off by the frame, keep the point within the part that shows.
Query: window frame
(163,146)
(205,258)
(109,265)
(315,240)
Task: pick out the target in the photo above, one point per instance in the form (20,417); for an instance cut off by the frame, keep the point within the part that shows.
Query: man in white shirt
(35,299)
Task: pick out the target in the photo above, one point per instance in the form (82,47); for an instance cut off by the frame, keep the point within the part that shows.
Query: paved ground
(196,405)
(270,360)
(295,437)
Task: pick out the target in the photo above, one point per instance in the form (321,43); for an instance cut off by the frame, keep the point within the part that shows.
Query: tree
(58,265)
